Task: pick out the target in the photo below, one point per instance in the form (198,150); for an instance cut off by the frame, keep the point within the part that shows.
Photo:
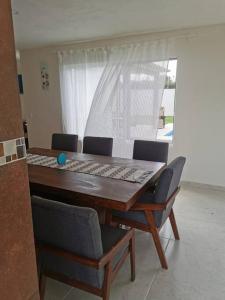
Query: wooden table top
(100,191)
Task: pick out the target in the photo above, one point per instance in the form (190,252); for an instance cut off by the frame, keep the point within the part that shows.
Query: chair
(98,145)
(152,209)
(64,142)
(73,248)
(151,151)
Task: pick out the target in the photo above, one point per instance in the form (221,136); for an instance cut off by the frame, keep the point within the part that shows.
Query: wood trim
(69,255)
(120,263)
(156,239)
(132,257)
(107,281)
(77,198)
(156,206)
(174,225)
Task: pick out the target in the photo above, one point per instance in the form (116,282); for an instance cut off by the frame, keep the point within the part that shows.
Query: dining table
(79,188)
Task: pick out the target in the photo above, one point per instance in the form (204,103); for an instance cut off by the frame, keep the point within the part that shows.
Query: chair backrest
(169,180)
(98,145)
(71,228)
(151,150)
(64,142)
(68,227)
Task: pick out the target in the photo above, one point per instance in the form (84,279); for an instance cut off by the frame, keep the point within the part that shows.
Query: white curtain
(127,100)
(80,72)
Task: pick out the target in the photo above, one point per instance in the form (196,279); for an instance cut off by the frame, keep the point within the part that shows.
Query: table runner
(91,167)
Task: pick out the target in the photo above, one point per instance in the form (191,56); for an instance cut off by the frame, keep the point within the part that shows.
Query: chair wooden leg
(42,284)
(156,239)
(107,281)
(174,225)
(132,257)
(159,249)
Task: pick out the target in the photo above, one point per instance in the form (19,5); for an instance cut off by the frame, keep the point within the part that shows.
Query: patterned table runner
(91,167)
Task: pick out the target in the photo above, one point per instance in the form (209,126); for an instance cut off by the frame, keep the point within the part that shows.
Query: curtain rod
(104,43)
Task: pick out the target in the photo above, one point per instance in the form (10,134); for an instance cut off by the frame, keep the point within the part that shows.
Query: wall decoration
(12,150)
(44,77)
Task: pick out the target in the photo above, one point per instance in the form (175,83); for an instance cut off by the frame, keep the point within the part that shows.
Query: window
(141,90)
(129,96)
(166,117)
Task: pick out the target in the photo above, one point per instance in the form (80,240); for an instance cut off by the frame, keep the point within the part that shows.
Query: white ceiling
(49,22)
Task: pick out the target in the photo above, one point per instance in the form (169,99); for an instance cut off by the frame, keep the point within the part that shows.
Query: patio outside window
(166,117)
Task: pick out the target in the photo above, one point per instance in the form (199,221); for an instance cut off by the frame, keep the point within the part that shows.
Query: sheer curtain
(127,100)
(80,72)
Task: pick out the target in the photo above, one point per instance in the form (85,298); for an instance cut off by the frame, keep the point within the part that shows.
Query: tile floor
(196,262)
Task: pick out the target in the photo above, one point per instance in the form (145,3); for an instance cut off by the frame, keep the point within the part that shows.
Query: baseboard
(202,185)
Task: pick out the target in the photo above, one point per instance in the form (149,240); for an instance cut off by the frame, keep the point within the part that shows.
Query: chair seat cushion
(139,216)
(110,236)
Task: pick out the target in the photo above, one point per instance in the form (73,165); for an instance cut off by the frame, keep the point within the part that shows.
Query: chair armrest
(150,206)
(155,206)
(67,255)
(94,263)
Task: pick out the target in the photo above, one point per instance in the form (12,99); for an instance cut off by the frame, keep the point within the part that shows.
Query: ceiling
(49,22)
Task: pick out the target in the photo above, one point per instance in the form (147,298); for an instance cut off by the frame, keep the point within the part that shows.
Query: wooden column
(18,274)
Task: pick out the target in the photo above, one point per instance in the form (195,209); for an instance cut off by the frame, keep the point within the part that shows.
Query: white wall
(199,110)
(42,109)
(200,107)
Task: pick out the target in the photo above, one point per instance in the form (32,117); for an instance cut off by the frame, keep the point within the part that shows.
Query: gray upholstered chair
(64,142)
(98,145)
(73,248)
(152,209)
(151,150)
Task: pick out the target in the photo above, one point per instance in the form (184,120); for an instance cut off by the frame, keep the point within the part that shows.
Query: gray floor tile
(56,290)
(166,231)
(196,264)
(201,205)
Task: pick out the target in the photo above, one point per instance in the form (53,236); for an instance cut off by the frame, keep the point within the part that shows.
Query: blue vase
(61,159)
